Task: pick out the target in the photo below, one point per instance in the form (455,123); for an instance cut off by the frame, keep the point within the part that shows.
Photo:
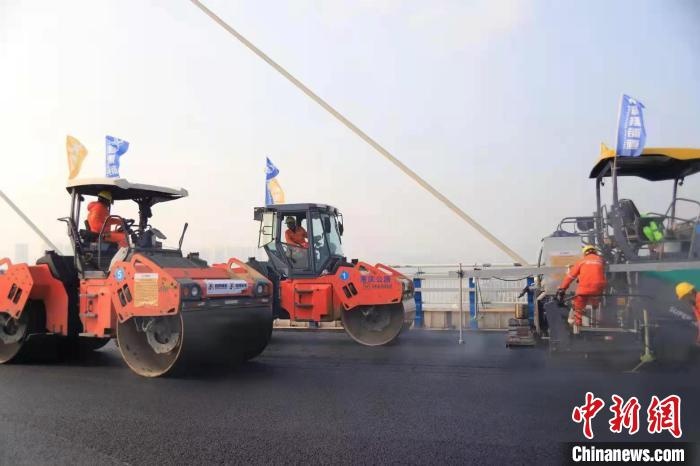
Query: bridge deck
(319,397)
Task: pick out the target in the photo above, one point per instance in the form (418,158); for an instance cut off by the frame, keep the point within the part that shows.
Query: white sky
(500,105)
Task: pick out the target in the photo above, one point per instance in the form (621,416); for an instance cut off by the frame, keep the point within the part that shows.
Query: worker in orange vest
(687,293)
(98,211)
(295,234)
(590,271)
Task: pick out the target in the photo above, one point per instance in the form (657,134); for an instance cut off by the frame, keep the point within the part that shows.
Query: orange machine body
(322,299)
(21,282)
(137,287)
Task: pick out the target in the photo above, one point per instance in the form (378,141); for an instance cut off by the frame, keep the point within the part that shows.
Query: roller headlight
(262,289)
(190,291)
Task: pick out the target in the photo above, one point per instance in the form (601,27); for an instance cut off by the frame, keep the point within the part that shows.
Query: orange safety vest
(97,214)
(590,271)
(297,237)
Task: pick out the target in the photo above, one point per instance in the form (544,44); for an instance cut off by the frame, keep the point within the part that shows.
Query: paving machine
(163,308)
(314,282)
(647,254)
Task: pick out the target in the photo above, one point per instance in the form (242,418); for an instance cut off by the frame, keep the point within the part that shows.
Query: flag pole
(617,145)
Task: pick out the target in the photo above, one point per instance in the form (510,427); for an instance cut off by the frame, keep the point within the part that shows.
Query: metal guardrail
(455,288)
(441,287)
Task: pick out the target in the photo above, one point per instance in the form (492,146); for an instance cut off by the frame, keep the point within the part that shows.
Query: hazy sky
(501,105)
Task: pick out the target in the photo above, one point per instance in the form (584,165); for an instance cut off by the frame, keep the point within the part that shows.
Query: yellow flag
(605,151)
(275,191)
(76,154)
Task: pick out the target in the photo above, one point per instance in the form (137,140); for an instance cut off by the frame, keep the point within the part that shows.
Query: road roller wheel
(150,345)
(374,325)
(13,333)
(260,343)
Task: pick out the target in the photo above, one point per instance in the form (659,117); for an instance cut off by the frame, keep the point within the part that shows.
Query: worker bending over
(98,212)
(295,234)
(590,271)
(687,293)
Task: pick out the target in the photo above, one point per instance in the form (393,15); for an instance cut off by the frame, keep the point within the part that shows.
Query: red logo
(625,415)
(665,415)
(662,415)
(587,412)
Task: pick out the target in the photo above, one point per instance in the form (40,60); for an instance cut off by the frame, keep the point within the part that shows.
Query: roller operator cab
(647,254)
(164,309)
(314,282)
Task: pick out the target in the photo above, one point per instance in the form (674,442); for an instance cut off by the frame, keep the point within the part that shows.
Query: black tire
(260,342)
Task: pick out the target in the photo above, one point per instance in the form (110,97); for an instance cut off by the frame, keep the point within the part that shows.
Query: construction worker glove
(561,294)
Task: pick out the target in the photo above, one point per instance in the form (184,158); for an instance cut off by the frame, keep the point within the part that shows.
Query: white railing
(439,286)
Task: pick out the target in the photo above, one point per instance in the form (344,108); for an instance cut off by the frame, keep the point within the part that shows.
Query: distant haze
(500,105)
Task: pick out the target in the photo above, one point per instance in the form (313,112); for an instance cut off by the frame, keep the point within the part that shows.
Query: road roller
(168,311)
(314,282)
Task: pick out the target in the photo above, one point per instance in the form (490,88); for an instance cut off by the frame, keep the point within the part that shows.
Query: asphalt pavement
(318,397)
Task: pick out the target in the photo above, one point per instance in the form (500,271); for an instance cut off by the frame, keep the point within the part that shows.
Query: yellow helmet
(588,248)
(105,195)
(683,289)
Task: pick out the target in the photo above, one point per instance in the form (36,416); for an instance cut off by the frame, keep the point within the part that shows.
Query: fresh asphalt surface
(318,397)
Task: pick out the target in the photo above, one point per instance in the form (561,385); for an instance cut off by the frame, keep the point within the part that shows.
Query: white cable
(326,106)
(31,224)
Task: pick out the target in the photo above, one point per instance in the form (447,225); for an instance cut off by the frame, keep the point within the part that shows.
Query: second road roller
(314,282)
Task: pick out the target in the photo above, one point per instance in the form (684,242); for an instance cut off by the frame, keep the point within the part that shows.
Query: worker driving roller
(296,239)
(687,293)
(98,212)
(295,235)
(590,271)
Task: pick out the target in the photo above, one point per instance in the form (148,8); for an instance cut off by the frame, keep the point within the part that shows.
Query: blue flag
(631,134)
(115,149)
(273,190)
(270,170)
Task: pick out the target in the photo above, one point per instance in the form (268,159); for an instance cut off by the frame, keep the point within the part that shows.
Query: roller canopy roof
(122,189)
(655,164)
(294,208)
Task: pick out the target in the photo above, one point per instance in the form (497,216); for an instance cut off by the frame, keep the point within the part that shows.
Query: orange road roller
(166,310)
(314,282)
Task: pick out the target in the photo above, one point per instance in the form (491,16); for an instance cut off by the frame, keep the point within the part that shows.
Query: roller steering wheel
(126,223)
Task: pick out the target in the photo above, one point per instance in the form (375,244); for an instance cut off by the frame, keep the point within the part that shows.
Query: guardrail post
(461,304)
(473,324)
(418,297)
(530,299)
